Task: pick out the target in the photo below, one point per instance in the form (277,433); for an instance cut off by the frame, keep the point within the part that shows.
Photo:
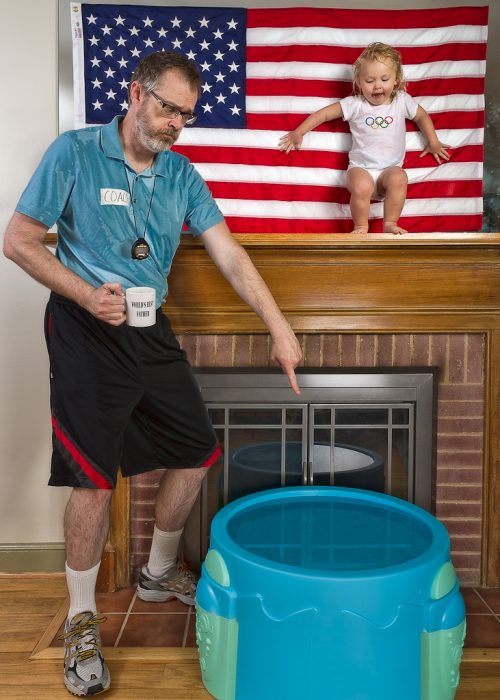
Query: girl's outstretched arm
(293,140)
(434,145)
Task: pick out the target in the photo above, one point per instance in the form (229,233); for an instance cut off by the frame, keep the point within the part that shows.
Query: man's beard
(154,141)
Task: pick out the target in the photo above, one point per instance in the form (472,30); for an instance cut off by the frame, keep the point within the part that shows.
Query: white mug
(141,306)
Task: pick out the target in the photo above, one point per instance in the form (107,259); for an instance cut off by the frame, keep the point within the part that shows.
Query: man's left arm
(234,263)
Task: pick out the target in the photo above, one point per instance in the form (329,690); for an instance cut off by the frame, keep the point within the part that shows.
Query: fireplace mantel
(348,283)
(380,283)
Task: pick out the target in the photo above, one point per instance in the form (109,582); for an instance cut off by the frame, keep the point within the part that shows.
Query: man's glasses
(172,112)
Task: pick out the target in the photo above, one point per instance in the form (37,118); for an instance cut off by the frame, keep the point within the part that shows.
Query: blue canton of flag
(116,38)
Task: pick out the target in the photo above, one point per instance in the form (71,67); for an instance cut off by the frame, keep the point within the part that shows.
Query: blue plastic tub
(328,592)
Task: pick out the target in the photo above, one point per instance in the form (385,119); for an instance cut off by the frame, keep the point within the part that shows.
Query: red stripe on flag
(340,195)
(445,188)
(334,160)
(453,120)
(421,224)
(88,469)
(337,89)
(276,192)
(348,54)
(464,154)
(267,157)
(366,19)
(446,86)
(438,224)
(263,87)
(287,122)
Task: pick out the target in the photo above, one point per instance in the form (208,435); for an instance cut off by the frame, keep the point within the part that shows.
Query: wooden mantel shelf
(355,240)
(370,283)
(351,240)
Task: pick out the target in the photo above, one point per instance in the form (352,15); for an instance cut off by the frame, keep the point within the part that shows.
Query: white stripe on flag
(445,69)
(268,209)
(333,36)
(446,171)
(324,177)
(340,71)
(306,105)
(314,140)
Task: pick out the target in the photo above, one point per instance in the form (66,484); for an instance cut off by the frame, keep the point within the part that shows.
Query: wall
(31,512)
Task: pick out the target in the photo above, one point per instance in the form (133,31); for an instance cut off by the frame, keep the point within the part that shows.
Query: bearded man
(125,397)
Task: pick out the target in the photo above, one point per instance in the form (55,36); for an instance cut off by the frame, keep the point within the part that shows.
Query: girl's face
(377,81)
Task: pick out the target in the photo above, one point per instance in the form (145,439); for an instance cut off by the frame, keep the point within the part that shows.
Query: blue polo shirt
(101,206)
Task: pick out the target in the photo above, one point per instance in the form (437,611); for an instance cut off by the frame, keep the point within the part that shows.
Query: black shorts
(121,397)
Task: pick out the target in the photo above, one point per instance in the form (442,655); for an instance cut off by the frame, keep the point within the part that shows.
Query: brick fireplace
(460,423)
(363,302)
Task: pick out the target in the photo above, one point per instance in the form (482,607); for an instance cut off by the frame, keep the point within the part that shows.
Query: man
(123,396)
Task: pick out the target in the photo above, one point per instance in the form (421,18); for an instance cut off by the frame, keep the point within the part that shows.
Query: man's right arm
(24,245)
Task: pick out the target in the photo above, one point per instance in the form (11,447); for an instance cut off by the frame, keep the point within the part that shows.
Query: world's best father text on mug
(141,306)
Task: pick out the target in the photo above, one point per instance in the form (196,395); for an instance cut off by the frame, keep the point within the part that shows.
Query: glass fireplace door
(264,447)
(370,429)
(268,446)
(362,446)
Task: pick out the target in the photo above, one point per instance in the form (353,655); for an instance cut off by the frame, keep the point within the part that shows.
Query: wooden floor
(30,668)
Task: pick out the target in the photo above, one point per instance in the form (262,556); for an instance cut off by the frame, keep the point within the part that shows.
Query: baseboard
(44,557)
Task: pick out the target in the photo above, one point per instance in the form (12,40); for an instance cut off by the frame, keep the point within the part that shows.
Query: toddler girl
(376,114)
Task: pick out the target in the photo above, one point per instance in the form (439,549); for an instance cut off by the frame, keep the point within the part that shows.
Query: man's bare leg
(162,578)
(86,524)
(176,496)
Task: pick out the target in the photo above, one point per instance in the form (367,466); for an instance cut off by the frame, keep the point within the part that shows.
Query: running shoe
(178,582)
(85,671)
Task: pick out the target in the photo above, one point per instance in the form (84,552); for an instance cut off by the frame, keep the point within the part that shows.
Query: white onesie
(378,132)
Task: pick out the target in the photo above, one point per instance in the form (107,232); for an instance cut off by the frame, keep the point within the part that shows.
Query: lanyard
(140,248)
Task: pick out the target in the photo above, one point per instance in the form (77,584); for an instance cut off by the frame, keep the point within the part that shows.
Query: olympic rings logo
(376,122)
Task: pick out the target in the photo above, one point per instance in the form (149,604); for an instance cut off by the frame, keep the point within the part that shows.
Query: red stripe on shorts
(89,470)
(213,458)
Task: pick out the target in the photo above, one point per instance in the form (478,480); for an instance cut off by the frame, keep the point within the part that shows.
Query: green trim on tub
(216,568)
(217,640)
(444,581)
(441,653)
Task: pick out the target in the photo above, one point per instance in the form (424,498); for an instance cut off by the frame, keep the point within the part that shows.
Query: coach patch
(118,198)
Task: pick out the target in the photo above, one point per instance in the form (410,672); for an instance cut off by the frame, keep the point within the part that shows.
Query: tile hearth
(132,622)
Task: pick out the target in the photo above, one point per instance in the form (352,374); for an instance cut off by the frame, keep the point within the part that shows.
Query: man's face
(158,127)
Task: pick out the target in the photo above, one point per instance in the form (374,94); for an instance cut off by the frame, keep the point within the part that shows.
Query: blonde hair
(379,52)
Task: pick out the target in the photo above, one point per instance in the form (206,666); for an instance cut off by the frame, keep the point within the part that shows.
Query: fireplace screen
(356,429)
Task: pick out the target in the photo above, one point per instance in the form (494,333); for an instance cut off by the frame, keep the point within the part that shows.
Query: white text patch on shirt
(118,198)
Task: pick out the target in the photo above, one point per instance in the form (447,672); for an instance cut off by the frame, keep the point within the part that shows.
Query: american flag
(264,70)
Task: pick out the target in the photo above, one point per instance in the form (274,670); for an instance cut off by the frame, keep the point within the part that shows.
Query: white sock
(163,554)
(81,587)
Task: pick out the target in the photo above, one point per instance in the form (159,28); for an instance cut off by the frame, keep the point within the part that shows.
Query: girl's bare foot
(392,227)
(360,229)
